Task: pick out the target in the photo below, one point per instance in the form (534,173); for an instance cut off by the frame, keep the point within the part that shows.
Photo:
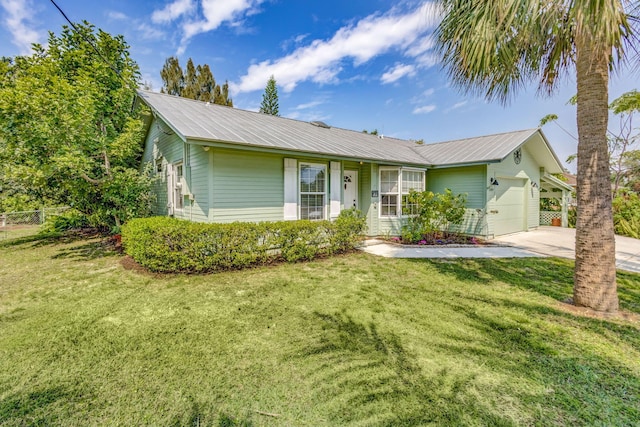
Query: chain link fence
(17,224)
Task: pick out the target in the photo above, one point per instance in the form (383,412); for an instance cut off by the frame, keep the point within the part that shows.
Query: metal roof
(201,122)
(482,149)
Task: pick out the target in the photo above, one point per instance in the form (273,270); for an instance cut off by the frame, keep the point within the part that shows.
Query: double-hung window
(389,188)
(313,191)
(411,180)
(395,185)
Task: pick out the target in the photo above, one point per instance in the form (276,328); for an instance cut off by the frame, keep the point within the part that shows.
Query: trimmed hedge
(169,245)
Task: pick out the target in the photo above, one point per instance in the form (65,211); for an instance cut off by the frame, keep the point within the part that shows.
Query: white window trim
(401,191)
(179,182)
(324,193)
(158,163)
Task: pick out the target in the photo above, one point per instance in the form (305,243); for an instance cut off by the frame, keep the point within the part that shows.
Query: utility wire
(95,48)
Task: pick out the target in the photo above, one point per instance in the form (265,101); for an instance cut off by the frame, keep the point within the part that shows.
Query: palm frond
(494,48)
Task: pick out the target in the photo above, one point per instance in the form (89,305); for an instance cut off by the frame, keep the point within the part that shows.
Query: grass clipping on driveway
(352,340)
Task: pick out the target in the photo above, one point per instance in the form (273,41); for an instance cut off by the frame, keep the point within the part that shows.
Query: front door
(350,189)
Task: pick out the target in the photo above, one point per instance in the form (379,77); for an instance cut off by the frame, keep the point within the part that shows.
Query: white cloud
(19,22)
(423,45)
(149,32)
(456,106)
(309,105)
(117,16)
(293,41)
(424,109)
(201,16)
(216,12)
(308,116)
(172,11)
(427,60)
(398,72)
(321,60)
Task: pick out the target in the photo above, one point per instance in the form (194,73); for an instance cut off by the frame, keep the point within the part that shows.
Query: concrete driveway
(558,241)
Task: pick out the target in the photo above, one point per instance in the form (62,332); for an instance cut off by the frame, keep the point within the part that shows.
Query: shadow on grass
(199,416)
(553,379)
(571,373)
(32,408)
(97,245)
(370,375)
(552,277)
(39,239)
(88,251)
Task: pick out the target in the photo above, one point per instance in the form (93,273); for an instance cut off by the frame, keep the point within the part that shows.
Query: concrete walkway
(389,250)
(542,242)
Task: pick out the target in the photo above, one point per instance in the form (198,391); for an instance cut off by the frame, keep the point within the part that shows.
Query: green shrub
(432,215)
(349,230)
(167,245)
(69,220)
(626,214)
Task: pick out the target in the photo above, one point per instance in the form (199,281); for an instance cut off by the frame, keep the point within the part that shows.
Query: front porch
(555,198)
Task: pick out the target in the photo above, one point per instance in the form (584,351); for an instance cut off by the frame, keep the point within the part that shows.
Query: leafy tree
(172,77)
(67,129)
(198,83)
(622,164)
(496,47)
(221,95)
(631,165)
(206,83)
(624,167)
(269,103)
(626,214)
(191,89)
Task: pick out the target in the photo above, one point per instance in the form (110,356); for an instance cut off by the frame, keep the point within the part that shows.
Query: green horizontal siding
(171,148)
(468,180)
(527,171)
(461,180)
(247,186)
(199,172)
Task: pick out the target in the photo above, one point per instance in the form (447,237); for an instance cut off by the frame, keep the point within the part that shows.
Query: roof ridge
(476,137)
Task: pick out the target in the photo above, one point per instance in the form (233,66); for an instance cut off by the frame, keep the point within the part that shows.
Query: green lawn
(353,340)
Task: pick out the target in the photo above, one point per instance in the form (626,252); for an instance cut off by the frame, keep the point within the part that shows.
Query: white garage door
(510,206)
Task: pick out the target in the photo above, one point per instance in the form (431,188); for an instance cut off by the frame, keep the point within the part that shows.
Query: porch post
(565,209)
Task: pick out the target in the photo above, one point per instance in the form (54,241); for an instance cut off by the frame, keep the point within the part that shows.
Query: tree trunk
(595,271)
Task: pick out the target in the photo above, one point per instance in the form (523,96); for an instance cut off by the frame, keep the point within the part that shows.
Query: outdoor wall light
(205,148)
(494,181)
(534,185)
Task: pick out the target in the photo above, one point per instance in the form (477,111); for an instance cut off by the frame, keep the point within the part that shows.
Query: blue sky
(354,64)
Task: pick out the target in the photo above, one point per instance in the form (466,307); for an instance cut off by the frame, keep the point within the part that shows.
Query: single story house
(222,164)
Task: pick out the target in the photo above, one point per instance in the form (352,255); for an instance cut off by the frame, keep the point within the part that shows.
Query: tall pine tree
(269,103)
(172,77)
(198,83)
(191,89)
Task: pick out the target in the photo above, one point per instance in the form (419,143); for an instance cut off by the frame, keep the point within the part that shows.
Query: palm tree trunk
(595,271)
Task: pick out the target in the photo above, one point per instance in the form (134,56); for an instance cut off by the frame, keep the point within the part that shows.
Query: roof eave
(555,181)
(290,151)
(157,114)
(463,164)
